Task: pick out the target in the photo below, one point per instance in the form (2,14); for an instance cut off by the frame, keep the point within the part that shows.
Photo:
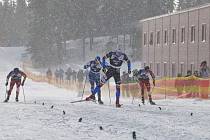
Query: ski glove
(6,84)
(154,82)
(129,71)
(104,70)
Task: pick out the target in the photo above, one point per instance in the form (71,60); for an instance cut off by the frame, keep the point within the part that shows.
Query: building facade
(177,42)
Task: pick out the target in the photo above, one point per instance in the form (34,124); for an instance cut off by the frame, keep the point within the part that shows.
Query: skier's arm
(128,63)
(108,55)
(153,77)
(8,76)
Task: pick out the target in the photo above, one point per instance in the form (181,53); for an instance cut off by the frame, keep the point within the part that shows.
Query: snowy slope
(34,121)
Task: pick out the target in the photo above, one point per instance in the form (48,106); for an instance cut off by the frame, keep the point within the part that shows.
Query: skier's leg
(141,84)
(18,83)
(12,83)
(149,92)
(92,85)
(117,79)
(103,80)
(118,96)
(99,91)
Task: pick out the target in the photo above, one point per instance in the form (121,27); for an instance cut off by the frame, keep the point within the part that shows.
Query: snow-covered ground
(170,120)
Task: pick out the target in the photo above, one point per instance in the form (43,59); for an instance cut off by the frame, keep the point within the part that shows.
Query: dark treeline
(45,25)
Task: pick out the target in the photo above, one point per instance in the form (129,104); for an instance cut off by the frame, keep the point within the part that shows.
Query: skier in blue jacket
(116,59)
(94,76)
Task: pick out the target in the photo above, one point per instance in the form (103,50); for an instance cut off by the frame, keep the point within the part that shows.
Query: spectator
(74,76)
(179,84)
(68,74)
(188,82)
(133,87)
(56,73)
(125,84)
(80,76)
(204,70)
(195,87)
(61,73)
(49,75)
(204,83)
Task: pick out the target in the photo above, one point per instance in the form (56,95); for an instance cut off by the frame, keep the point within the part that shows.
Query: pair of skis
(82,100)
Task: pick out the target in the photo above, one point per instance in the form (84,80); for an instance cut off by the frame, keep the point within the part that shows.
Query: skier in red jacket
(16,76)
(144,82)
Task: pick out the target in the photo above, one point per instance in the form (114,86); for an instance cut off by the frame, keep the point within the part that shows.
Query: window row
(173,69)
(174,35)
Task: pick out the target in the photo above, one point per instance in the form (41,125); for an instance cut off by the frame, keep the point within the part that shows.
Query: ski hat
(146,67)
(98,58)
(203,62)
(16,70)
(118,50)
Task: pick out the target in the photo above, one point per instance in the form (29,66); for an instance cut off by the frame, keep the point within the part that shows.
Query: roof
(177,12)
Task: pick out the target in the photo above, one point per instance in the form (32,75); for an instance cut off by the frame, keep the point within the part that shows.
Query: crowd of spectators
(69,75)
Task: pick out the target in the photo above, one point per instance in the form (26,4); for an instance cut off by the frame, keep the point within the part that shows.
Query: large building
(177,42)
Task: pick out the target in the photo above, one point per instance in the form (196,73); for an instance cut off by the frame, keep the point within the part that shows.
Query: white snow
(34,121)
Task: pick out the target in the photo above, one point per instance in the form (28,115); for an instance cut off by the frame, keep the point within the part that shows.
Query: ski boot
(142,100)
(16,99)
(91,97)
(100,102)
(99,99)
(7,99)
(150,100)
(118,105)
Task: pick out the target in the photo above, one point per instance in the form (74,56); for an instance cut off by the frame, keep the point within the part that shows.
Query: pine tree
(21,22)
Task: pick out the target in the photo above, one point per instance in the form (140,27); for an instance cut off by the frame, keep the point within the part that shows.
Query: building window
(192,33)
(173,70)
(151,38)
(182,68)
(165,36)
(165,69)
(158,37)
(158,69)
(192,68)
(174,36)
(182,35)
(145,64)
(203,37)
(145,39)
(150,65)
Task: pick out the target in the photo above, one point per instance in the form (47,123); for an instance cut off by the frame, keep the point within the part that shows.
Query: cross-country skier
(144,82)
(116,59)
(94,76)
(16,76)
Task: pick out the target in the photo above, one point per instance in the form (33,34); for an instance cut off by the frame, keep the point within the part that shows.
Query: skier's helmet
(135,72)
(98,58)
(146,67)
(118,50)
(16,70)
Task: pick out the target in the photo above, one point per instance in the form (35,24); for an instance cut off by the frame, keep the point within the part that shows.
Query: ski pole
(6,93)
(83,91)
(110,101)
(133,99)
(24,95)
